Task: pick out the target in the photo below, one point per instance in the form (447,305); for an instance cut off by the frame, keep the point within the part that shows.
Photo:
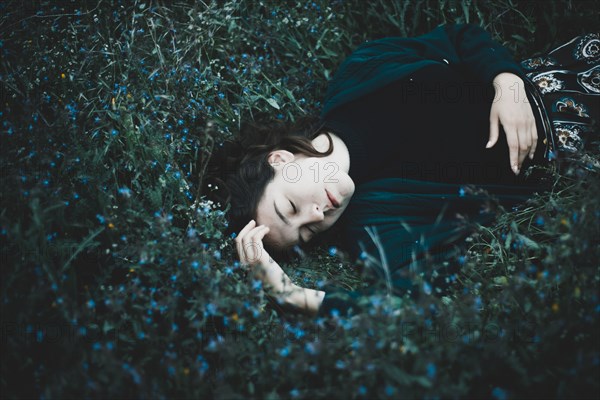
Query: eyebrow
(287,222)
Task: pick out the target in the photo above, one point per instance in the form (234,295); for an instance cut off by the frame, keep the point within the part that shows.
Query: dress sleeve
(479,53)
(377,63)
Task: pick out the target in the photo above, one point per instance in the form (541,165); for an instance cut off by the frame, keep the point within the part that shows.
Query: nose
(316,213)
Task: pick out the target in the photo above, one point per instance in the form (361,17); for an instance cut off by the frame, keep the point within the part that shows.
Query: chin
(273,245)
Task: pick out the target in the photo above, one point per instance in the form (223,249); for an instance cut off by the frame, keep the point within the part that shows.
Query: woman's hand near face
(252,253)
(512,109)
(250,248)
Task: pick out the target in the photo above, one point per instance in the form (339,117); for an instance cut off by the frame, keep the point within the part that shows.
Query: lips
(333,200)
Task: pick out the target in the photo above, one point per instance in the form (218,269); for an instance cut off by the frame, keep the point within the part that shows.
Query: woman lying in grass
(407,123)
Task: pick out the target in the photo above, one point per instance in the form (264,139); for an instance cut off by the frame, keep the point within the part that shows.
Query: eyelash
(293,206)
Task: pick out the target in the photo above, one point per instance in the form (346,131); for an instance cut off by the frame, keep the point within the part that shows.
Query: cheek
(333,219)
(272,240)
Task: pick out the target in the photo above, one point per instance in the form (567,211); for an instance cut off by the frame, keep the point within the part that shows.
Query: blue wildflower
(431,370)
(284,352)
(211,309)
(426,288)
(310,348)
(499,394)
(125,192)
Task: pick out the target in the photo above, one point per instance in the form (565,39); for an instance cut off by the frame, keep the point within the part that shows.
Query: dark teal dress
(414,113)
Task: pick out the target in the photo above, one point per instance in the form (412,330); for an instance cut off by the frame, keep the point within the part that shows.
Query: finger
(534,139)
(253,232)
(239,240)
(249,226)
(513,148)
(524,144)
(252,244)
(493,132)
(256,234)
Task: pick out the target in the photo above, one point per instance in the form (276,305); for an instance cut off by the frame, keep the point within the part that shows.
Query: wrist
(286,292)
(303,299)
(506,78)
(273,277)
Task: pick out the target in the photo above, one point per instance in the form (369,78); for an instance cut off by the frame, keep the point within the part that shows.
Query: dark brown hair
(241,169)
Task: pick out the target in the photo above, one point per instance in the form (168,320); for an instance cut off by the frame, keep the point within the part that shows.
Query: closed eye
(293,206)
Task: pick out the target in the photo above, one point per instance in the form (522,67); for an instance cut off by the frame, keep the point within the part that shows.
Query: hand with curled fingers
(512,110)
(252,253)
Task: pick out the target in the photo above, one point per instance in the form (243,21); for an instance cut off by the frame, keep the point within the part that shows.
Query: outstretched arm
(252,253)
(479,53)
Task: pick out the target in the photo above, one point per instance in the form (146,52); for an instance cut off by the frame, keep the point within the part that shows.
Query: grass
(118,279)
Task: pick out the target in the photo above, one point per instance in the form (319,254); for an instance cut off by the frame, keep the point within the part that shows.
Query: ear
(278,158)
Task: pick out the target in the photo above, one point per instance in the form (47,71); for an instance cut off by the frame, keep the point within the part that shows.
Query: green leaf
(273,103)
(528,242)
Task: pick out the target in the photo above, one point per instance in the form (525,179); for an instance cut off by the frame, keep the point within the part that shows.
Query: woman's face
(306,196)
